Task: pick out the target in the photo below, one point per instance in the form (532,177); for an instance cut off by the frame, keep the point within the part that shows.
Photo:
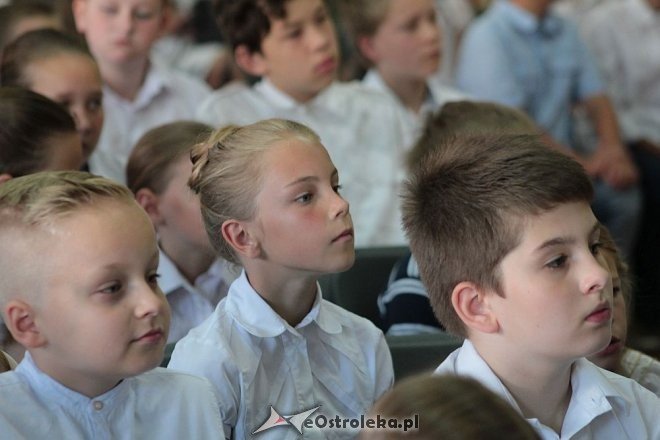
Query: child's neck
(191,261)
(541,388)
(412,92)
(125,79)
(291,298)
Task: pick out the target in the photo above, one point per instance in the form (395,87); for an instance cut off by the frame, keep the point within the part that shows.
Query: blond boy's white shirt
(154,405)
(191,304)
(361,131)
(624,37)
(333,358)
(166,96)
(603,404)
(413,122)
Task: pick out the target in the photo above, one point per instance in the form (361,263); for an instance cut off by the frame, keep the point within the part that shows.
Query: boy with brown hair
(291,45)
(508,248)
(79,290)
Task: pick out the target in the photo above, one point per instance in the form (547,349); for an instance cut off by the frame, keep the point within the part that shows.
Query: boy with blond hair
(78,289)
(291,45)
(508,248)
(138,94)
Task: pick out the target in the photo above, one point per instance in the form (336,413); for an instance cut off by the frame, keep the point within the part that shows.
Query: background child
(508,248)
(404,306)
(92,317)
(36,134)
(401,41)
(191,276)
(138,95)
(616,356)
(23,16)
(449,408)
(291,45)
(269,197)
(60,67)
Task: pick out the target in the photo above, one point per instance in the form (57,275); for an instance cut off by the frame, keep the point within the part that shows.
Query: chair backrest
(412,354)
(358,288)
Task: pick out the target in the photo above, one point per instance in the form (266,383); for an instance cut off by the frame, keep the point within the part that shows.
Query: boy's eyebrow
(310,179)
(291,24)
(565,240)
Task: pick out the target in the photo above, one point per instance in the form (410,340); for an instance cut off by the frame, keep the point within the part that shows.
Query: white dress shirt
(413,122)
(603,406)
(360,129)
(158,404)
(255,359)
(642,368)
(624,36)
(166,96)
(191,304)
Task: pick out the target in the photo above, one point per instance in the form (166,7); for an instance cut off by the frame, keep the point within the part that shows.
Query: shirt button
(98,405)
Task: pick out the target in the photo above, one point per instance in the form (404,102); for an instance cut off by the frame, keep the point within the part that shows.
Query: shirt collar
(280,99)
(254,314)
(56,394)
(527,23)
(171,278)
(373,79)
(154,83)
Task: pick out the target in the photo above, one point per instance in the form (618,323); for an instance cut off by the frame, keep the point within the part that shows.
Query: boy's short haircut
(37,199)
(464,208)
(247,22)
(469,118)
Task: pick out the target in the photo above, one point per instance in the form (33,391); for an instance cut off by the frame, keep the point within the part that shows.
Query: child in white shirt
(193,279)
(79,290)
(138,94)
(509,250)
(269,196)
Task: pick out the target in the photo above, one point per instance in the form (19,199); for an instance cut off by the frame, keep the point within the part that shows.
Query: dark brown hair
(247,22)
(464,205)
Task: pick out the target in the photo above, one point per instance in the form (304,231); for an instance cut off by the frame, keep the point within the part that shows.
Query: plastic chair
(358,288)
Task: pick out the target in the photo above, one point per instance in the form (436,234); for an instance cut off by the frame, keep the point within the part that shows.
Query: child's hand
(613,164)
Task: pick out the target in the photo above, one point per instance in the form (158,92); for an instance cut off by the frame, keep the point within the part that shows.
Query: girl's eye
(616,290)
(153,279)
(558,262)
(595,248)
(336,188)
(144,15)
(111,289)
(93,105)
(294,34)
(304,198)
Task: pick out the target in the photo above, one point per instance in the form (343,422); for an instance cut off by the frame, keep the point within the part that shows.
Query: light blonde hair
(450,408)
(39,198)
(227,172)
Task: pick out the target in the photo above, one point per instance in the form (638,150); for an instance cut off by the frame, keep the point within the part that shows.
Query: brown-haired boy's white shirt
(603,404)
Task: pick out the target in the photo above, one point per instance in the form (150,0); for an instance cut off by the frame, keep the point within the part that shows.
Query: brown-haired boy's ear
(20,320)
(149,202)
(471,304)
(250,62)
(239,238)
(4,177)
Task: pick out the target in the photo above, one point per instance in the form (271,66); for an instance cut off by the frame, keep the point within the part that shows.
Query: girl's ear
(471,304)
(22,325)
(366,47)
(253,63)
(150,203)
(240,239)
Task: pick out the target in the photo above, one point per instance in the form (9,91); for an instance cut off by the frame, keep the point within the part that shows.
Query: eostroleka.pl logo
(295,420)
(304,419)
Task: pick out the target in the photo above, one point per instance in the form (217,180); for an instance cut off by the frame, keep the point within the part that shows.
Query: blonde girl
(270,201)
